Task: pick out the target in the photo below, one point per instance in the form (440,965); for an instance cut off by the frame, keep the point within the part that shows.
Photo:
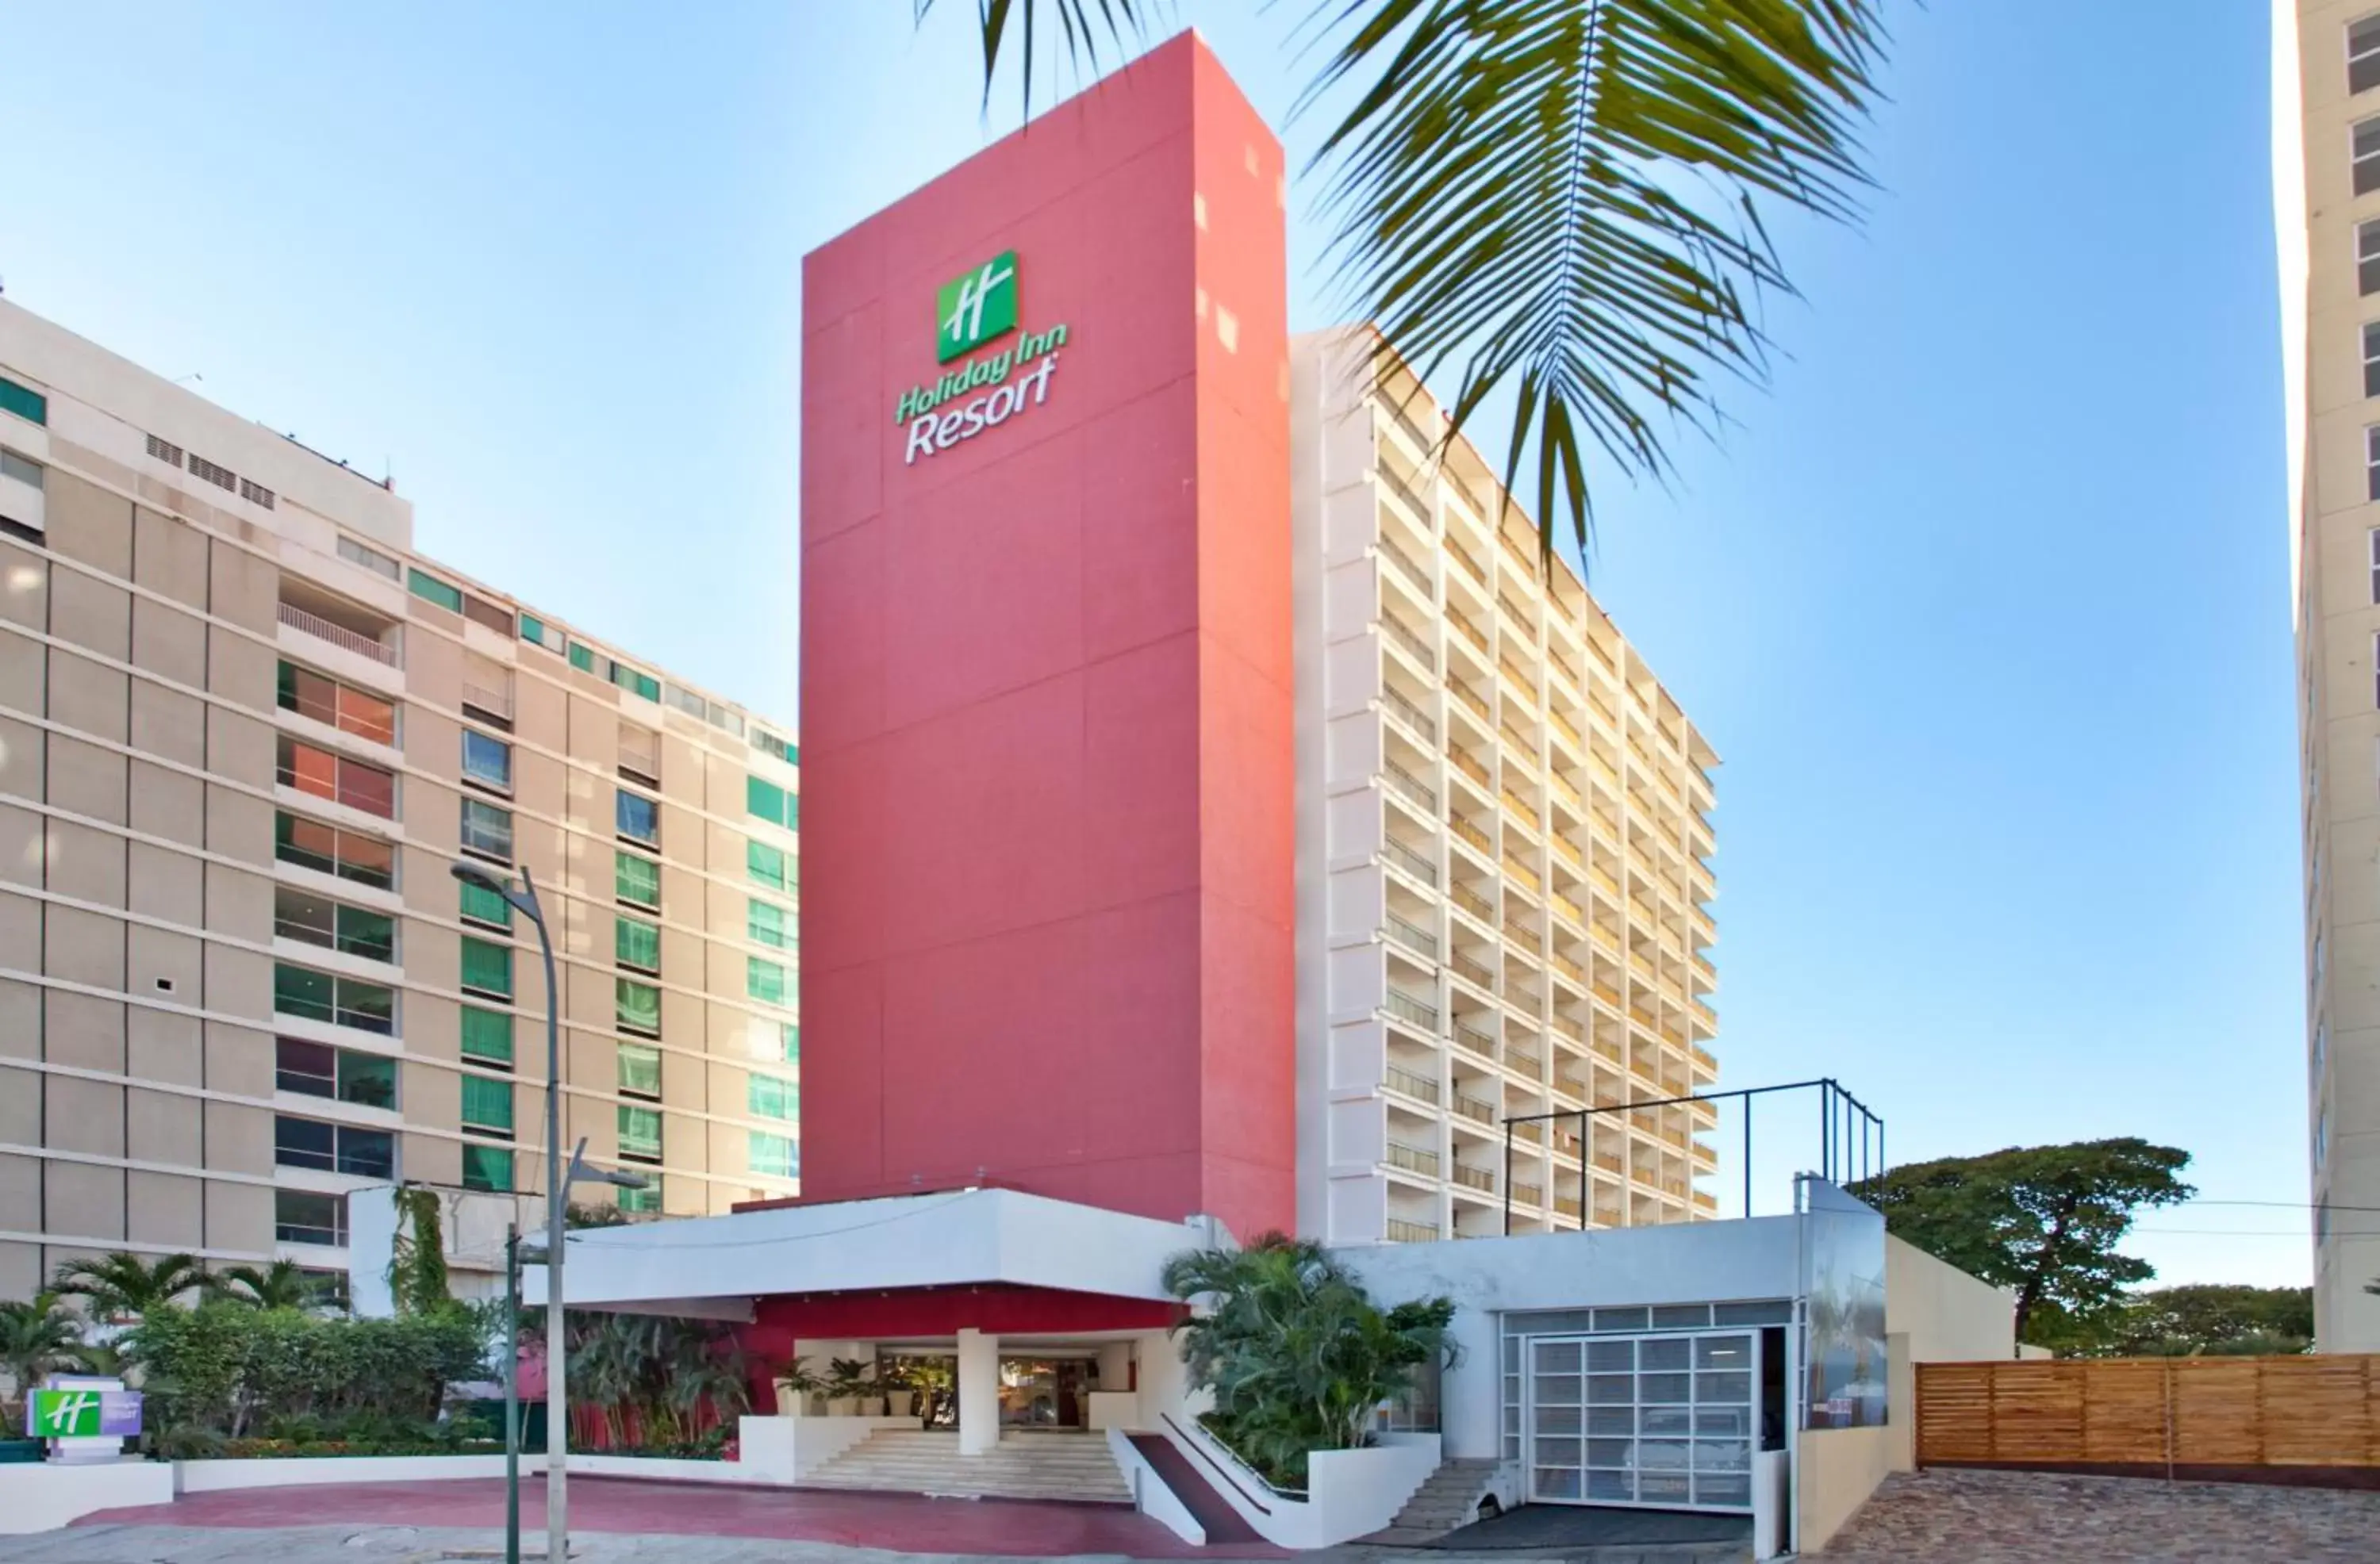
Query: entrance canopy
(1000,1240)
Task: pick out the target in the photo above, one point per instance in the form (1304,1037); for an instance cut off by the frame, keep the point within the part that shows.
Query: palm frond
(1086,27)
(1566,198)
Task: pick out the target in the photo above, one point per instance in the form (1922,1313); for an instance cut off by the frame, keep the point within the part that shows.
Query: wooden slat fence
(2158,1413)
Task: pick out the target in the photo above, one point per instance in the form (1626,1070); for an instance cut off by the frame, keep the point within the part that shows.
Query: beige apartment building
(2337,411)
(1504,850)
(244,729)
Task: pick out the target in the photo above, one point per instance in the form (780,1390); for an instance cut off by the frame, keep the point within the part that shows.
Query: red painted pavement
(897,1523)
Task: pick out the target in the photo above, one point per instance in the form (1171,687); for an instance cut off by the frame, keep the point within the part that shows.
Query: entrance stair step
(1447,1499)
(1074,1467)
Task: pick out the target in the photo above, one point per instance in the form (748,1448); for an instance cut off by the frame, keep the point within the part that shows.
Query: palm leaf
(1565,199)
(1083,26)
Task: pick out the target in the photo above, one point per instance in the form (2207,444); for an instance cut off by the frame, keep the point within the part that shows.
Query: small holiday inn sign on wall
(972,309)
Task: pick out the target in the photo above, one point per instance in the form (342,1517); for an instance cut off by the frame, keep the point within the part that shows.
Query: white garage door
(1663,1421)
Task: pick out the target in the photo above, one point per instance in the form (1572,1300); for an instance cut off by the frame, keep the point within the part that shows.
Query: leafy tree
(2042,1220)
(2224,1321)
(123,1285)
(652,1376)
(1296,1351)
(37,1340)
(283,1284)
(1569,199)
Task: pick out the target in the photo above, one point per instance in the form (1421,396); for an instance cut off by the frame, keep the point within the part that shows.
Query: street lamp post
(557,1193)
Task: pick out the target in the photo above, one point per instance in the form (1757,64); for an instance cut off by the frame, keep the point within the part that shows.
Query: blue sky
(1984,601)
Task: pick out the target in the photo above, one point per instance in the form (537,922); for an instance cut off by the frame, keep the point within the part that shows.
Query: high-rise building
(1504,847)
(244,729)
(2336,407)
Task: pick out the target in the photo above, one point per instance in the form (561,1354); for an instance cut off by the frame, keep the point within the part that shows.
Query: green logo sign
(83,1414)
(972,309)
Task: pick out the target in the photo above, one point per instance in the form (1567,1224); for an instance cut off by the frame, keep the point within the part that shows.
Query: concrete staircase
(1074,1467)
(1439,1505)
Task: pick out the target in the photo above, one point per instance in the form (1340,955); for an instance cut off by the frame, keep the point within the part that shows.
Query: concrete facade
(244,730)
(2337,545)
(1504,850)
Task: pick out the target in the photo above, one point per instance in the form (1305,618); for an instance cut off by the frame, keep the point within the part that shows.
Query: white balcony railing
(337,635)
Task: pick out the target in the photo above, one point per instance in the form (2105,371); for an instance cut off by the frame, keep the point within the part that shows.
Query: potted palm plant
(797,1389)
(846,1383)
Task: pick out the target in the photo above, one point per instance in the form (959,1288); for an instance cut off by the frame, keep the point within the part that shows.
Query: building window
(368,1080)
(637,818)
(772,1156)
(770,867)
(311,694)
(2364,55)
(640,754)
(582,657)
(487,969)
(770,743)
(772,1041)
(336,778)
(537,632)
(488,1168)
(766,801)
(645,1201)
(343,1002)
(640,1135)
(487,761)
(370,559)
(640,1070)
(484,906)
(303,1216)
(488,1036)
(635,683)
(768,1097)
(2321,1049)
(2367,156)
(327,850)
(636,1007)
(23,470)
(316,920)
(488,1106)
(429,590)
(487,831)
(764,980)
(2321,1136)
(333,1149)
(635,880)
(637,944)
(23,401)
(488,615)
(765,923)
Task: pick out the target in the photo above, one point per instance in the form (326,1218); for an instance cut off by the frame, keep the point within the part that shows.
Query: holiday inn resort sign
(971,311)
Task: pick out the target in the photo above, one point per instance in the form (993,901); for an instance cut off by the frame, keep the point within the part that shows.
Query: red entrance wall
(1047,780)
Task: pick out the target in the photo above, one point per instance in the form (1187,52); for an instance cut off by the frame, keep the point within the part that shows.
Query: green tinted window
(487,1034)
(764,980)
(483,905)
(768,865)
(640,1132)
(640,1070)
(430,589)
(636,1006)
(487,1105)
(638,944)
(768,1097)
(487,969)
(636,880)
(643,1202)
(765,925)
(774,1155)
(582,657)
(764,800)
(23,401)
(628,678)
(486,1168)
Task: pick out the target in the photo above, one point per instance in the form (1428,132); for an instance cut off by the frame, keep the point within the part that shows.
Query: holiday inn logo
(972,309)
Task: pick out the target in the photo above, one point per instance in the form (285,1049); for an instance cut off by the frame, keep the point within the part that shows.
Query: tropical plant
(283,1284)
(1569,199)
(1296,1352)
(416,1262)
(654,1381)
(38,1338)
(123,1286)
(2042,1220)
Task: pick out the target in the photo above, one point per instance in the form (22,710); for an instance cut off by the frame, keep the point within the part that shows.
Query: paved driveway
(1955,1517)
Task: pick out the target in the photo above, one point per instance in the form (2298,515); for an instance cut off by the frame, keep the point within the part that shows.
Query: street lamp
(557,1194)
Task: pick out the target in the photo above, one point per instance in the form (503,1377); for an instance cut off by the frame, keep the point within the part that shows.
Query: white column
(979,1392)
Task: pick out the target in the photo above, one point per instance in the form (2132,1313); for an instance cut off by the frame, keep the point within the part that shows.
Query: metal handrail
(1412,936)
(1412,1084)
(1412,863)
(314,624)
(1406,1008)
(1414,644)
(1412,1159)
(1415,717)
(1411,786)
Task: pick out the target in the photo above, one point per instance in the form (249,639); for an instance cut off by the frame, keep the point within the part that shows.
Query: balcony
(334,777)
(1528,1194)
(1406,1008)
(1413,716)
(1468,765)
(490,697)
(1568,1205)
(1568,729)
(1421,1088)
(1567,791)
(353,629)
(1472,1037)
(1411,643)
(1571,1027)
(1476,973)
(1522,679)
(1467,832)
(1524,810)
(1520,554)
(317,920)
(1399,1231)
(1470,632)
(1471,698)
(1567,908)
(1471,901)
(1408,786)
(1521,872)
(1472,567)
(1412,1159)
(1532,1065)
(1475,1178)
(1569,852)
(1478,1110)
(1413,937)
(1410,862)
(1569,967)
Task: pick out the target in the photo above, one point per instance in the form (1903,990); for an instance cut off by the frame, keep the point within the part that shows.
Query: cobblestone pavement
(1960,1517)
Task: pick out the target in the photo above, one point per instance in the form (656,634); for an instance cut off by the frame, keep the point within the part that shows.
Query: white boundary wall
(43,1496)
(1349,1494)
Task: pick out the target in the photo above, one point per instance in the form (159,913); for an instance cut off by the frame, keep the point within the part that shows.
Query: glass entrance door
(1663,1422)
(1042,1392)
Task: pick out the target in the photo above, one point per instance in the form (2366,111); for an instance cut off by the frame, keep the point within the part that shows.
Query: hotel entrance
(1045,1391)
